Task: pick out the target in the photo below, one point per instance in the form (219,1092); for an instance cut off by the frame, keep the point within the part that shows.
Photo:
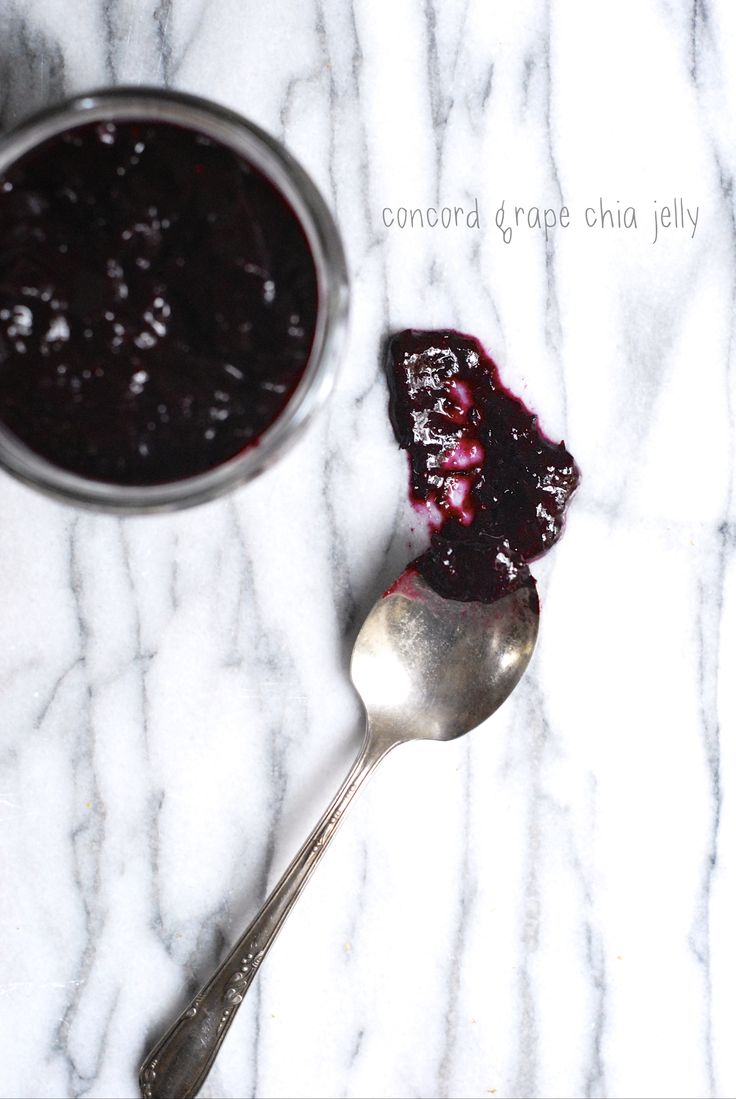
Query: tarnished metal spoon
(427,668)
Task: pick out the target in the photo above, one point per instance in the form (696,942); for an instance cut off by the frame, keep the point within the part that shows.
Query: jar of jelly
(173,300)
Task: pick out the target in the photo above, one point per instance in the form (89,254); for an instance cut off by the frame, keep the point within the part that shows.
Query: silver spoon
(427,668)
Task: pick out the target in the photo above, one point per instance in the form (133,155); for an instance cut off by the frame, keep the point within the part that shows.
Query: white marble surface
(541,909)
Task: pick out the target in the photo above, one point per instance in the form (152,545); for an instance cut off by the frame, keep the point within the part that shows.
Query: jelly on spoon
(445,645)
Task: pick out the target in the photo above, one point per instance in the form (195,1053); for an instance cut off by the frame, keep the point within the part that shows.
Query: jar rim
(269,157)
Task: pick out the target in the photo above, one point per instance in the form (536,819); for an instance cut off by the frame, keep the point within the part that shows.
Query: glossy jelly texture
(158,302)
(494,487)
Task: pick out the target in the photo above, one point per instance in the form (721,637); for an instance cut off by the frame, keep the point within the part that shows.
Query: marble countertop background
(542,908)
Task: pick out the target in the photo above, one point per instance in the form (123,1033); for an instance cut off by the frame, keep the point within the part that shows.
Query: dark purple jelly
(158,302)
(494,487)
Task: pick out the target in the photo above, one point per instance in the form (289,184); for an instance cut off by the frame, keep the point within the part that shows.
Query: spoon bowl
(427,668)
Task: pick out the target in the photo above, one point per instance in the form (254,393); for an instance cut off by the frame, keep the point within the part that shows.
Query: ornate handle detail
(177,1067)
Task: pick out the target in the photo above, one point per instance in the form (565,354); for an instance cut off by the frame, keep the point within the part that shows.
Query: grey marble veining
(542,909)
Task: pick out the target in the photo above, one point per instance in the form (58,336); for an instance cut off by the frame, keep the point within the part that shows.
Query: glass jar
(269,158)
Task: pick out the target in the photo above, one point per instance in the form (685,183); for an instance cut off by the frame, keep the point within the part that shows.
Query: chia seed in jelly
(158,302)
(494,487)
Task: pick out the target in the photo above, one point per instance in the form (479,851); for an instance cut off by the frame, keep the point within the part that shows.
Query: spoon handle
(176,1068)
